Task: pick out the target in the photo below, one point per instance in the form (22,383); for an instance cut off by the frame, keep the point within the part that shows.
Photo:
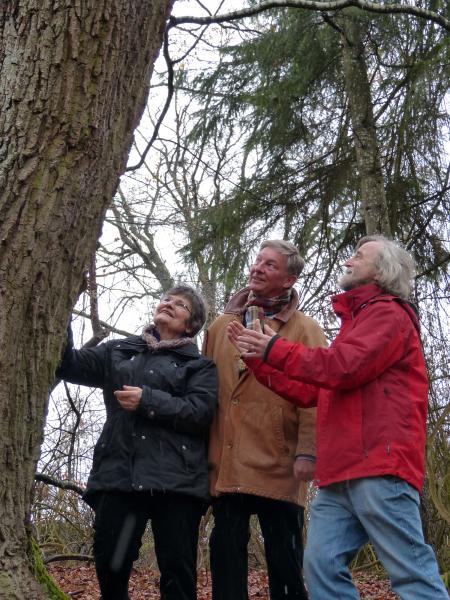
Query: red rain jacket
(370,387)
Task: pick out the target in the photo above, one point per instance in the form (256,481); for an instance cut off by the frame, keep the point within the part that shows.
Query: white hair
(395,267)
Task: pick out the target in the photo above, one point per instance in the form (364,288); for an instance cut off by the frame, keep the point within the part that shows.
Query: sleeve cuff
(306,457)
(272,341)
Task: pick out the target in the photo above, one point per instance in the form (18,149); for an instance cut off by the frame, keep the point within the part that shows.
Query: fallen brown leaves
(80,583)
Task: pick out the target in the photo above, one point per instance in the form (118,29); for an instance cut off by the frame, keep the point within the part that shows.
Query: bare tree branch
(334,5)
(98,332)
(59,557)
(107,326)
(170,77)
(59,483)
(74,431)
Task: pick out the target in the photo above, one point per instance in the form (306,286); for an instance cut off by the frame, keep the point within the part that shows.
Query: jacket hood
(351,302)
(237,302)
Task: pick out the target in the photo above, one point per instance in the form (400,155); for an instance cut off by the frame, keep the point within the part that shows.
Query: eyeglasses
(177,303)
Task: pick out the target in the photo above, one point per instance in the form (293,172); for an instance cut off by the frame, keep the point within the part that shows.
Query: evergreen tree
(287,92)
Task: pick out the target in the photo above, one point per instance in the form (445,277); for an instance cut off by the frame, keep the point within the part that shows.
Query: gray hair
(295,262)
(396,267)
(198,303)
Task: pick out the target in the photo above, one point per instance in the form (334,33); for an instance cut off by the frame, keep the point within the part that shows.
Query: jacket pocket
(182,453)
(262,442)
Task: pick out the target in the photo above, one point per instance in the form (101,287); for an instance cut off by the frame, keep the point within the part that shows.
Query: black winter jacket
(162,445)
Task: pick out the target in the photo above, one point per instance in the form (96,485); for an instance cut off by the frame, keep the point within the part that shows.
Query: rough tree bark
(373,197)
(74,79)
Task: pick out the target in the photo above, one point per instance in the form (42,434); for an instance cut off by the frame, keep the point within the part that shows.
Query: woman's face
(171,316)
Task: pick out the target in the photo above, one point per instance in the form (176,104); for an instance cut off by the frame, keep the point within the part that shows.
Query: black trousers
(120,521)
(281,525)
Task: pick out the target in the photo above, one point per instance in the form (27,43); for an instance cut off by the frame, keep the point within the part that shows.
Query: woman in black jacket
(150,460)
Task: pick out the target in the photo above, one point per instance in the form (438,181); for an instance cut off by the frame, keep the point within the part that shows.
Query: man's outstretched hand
(251,343)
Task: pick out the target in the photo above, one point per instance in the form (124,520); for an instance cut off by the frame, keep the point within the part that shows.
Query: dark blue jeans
(120,521)
(281,525)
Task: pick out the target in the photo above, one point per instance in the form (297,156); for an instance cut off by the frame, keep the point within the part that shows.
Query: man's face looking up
(268,274)
(361,267)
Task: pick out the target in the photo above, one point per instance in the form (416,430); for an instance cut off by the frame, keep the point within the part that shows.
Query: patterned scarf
(153,340)
(258,308)
(271,306)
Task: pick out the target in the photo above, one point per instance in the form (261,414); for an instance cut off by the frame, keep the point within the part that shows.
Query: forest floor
(79,582)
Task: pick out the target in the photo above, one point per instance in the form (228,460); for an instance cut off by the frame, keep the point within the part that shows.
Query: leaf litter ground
(80,583)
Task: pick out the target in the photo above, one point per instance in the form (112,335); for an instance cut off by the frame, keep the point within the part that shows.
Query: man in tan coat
(262,449)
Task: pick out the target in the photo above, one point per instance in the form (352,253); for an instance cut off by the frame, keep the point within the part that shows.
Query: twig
(59,483)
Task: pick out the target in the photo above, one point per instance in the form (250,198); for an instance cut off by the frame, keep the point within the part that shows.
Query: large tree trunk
(373,196)
(74,78)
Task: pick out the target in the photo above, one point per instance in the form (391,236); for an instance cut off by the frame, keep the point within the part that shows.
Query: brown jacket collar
(236,304)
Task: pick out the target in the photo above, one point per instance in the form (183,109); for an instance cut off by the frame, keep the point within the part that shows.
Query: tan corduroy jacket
(256,435)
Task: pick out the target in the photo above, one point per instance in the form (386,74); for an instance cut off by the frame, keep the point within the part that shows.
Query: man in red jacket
(371,391)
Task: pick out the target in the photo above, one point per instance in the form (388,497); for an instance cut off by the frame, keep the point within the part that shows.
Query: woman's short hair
(395,266)
(199,307)
(295,262)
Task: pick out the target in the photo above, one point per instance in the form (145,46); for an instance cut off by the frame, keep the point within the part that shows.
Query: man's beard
(348,282)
